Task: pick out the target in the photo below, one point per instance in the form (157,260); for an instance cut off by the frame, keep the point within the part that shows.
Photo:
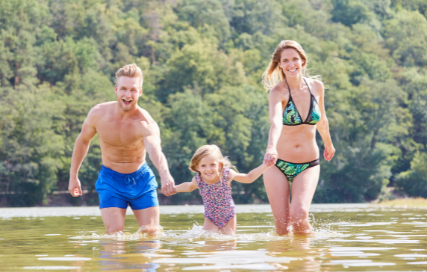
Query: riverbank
(417,202)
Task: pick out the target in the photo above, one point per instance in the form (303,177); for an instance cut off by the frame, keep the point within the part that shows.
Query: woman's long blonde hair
(273,74)
(207,150)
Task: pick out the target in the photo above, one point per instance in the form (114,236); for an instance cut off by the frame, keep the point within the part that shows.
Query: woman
(296,105)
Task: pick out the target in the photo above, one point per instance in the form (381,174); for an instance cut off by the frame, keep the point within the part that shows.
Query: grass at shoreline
(405,202)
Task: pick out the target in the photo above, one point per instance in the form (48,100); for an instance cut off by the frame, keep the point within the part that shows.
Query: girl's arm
(187,186)
(275,108)
(250,177)
(323,124)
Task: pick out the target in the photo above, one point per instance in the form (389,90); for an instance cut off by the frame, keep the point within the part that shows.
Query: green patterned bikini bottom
(291,170)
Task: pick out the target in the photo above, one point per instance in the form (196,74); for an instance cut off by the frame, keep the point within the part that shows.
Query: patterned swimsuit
(219,205)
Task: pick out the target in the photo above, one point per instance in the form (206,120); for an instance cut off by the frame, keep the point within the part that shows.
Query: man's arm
(79,153)
(154,149)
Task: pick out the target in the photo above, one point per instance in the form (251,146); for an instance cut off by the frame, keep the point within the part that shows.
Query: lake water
(348,237)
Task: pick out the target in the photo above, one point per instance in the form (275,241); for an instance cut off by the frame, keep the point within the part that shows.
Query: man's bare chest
(120,133)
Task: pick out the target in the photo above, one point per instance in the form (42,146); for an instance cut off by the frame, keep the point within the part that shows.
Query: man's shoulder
(144,116)
(101,108)
(105,105)
(149,126)
(98,111)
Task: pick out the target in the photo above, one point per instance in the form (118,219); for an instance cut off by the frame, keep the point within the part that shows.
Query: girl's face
(209,168)
(291,62)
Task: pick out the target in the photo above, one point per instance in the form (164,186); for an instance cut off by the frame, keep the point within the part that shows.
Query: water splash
(197,233)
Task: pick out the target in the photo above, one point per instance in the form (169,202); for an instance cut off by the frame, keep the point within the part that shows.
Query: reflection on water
(347,237)
(114,256)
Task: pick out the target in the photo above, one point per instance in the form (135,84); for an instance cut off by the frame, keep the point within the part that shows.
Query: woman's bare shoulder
(316,86)
(279,91)
(280,87)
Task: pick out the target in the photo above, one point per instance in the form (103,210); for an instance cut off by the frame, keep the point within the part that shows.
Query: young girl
(213,179)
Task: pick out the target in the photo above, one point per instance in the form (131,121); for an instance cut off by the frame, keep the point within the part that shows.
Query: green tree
(414,181)
(348,12)
(31,146)
(201,12)
(203,64)
(202,84)
(406,37)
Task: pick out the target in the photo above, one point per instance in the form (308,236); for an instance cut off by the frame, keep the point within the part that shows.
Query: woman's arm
(275,109)
(187,186)
(323,124)
(250,177)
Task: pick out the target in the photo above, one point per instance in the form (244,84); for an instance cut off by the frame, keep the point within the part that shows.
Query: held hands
(168,186)
(270,156)
(75,187)
(329,152)
(266,166)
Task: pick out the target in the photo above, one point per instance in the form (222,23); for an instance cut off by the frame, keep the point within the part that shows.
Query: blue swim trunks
(137,189)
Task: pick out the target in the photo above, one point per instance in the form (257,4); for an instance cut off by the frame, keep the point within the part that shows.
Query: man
(125,133)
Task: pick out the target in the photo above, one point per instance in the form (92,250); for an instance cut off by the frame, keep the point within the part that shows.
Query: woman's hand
(270,157)
(329,152)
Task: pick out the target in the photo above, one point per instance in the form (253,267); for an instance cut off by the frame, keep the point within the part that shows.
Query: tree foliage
(202,63)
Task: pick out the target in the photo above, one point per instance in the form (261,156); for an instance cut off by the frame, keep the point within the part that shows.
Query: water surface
(351,237)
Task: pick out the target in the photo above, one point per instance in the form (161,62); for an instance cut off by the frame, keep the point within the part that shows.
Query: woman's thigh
(303,188)
(277,188)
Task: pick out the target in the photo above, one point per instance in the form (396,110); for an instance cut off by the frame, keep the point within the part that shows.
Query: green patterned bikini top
(291,116)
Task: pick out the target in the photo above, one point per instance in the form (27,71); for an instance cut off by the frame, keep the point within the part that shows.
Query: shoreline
(410,202)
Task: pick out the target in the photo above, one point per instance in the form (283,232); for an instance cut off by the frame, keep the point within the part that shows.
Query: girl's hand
(264,165)
(270,156)
(329,152)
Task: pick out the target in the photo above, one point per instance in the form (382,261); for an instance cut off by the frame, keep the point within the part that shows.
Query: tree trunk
(17,66)
(153,55)
(373,141)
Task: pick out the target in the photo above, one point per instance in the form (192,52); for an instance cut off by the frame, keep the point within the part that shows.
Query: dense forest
(202,63)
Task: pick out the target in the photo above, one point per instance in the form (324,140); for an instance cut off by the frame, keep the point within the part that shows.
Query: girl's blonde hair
(207,150)
(273,74)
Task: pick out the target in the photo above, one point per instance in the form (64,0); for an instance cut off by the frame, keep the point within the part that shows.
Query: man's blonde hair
(130,70)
